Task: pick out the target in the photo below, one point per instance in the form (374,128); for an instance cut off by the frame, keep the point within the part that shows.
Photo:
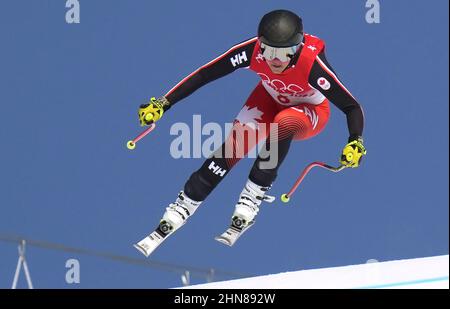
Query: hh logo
(217,169)
(238,59)
(259,58)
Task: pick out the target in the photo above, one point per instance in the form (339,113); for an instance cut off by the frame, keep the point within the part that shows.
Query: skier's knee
(197,187)
(205,179)
(262,177)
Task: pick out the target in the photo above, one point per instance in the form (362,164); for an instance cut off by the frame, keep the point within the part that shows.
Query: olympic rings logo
(280,87)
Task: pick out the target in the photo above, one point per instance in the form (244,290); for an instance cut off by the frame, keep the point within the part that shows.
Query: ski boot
(175,216)
(245,212)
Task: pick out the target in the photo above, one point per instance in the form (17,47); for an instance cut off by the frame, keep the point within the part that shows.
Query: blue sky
(69,96)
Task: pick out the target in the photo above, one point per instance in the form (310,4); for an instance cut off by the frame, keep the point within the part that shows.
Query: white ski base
(232,234)
(147,245)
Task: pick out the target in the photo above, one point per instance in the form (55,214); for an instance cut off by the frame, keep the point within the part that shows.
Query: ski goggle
(284,54)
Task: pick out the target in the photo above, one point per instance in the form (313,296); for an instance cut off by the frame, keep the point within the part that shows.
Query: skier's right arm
(239,56)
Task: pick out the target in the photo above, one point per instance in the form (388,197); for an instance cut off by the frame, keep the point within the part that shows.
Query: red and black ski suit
(295,101)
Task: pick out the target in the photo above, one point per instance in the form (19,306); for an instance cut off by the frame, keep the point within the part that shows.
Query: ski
(232,234)
(149,244)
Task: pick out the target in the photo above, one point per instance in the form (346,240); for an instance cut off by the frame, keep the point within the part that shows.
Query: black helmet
(281,28)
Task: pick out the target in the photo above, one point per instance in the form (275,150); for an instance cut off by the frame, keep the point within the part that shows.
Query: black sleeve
(337,94)
(239,56)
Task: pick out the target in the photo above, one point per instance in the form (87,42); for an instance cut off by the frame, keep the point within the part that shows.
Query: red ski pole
(286,196)
(132,144)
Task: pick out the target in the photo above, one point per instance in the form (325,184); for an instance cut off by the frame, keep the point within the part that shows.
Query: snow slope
(429,272)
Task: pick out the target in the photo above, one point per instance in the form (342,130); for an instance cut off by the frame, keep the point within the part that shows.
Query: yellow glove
(153,111)
(353,152)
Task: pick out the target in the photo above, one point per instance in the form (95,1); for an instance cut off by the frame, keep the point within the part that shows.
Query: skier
(297,83)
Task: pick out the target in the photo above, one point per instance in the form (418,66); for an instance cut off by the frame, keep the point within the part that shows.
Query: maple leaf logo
(323,83)
(249,116)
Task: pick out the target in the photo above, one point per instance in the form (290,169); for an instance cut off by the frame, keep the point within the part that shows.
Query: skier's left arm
(324,79)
